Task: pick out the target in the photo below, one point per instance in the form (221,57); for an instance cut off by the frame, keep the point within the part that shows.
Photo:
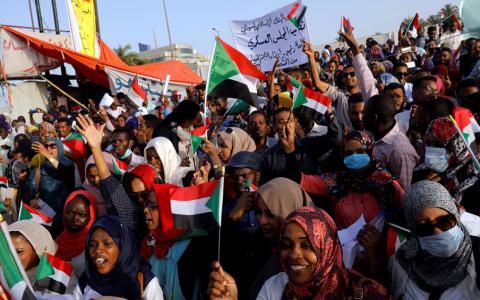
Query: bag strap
(140,281)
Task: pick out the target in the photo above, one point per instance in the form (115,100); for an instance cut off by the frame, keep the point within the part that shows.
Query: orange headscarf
(71,244)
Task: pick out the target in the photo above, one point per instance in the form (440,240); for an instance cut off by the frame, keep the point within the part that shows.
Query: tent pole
(62,91)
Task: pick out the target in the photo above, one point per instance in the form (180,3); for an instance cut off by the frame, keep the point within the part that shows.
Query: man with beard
(258,130)
(356,111)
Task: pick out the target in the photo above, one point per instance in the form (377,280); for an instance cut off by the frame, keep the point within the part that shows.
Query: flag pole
(220,208)
(63,92)
(474,158)
(208,77)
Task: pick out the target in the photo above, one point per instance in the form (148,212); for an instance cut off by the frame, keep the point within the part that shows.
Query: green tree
(129,57)
(448,10)
(434,19)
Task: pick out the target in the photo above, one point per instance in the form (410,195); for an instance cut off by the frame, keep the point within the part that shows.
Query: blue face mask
(356,161)
(444,244)
(436,159)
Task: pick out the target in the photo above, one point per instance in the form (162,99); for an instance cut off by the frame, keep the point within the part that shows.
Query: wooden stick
(62,91)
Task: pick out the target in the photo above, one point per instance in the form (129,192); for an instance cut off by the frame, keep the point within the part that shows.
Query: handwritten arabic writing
(20,59)
(85,16)
(271,37)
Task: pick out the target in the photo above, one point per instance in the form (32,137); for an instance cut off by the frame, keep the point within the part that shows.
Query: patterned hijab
(330,278)
(237,140)
(431,273)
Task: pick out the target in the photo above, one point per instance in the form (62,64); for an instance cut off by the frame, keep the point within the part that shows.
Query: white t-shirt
(153,291)
(273,288)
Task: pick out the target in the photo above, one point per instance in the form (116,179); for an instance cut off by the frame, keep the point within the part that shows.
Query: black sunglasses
(52,146)
(345,74)
(443,223)
(400,74)
(139,197)
(150,204)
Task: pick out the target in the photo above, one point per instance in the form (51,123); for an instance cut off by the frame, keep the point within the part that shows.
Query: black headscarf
(122,281)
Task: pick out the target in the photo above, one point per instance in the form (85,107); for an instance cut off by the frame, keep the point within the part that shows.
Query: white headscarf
(170,160)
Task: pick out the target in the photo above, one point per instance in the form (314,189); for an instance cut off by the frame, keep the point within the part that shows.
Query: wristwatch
(51,160)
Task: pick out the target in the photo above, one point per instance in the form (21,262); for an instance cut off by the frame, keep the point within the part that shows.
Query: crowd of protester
(387,151)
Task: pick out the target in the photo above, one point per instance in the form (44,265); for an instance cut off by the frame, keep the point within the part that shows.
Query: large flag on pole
(232,75)
(12,275)
(83,26)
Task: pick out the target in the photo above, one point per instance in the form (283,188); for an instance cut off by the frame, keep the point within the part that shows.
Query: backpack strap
(140,282)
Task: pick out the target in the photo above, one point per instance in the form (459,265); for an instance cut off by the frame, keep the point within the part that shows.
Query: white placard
(272,36)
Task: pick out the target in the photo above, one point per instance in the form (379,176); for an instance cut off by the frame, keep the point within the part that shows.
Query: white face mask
(444,244)
(436,159)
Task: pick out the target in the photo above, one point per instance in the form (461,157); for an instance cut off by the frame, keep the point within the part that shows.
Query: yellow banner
(85,15)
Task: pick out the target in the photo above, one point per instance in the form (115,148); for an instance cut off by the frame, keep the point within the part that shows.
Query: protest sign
(272,36)
(121,81)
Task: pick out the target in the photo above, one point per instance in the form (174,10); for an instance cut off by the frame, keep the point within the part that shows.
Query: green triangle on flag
(222,67)
(215,202)
(299,98)
(44,269)
(237,107)
(24,214)
(196,142)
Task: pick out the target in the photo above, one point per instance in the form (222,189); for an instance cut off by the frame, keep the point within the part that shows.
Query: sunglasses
(443,223)
(139,197)
(150,205)
(351,74)
(51,146)
(400,74)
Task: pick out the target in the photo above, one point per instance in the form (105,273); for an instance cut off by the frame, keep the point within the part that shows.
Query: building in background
(380,38)
(183,52)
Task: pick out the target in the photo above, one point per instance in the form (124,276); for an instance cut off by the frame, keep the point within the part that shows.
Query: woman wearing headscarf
(363,188)
(92,182)
(437,261)
(126,198)
(79,215)
(272,202)
(113,265)
(446,156)
(161,154)
(46,131)
(31,240)
(312,265)
(51,179)
(233,140)
(180,262)
(177,127)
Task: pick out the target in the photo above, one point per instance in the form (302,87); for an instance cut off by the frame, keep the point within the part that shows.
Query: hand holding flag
(347,35)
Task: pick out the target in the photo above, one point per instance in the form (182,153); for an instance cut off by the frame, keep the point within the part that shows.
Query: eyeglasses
(51,146)
(443,223)
(346,74)
(430,90)
(400,74)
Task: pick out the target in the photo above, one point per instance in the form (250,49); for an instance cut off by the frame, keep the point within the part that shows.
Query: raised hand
(307,49)
(87,128)
(349,38)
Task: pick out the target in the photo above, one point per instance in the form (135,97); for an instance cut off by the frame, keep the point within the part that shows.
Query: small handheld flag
(29,213)
(53,273)
(296,14)
(136,93)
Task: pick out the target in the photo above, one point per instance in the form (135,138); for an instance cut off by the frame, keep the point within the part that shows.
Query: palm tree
(448,10)
(434,19)
(129,57)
